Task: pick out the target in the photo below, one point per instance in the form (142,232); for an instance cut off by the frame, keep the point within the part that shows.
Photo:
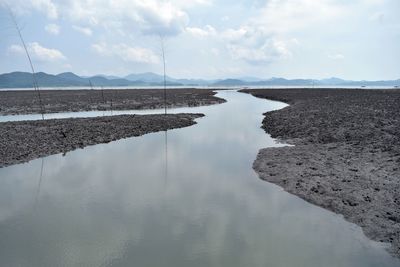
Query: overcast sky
(357,39)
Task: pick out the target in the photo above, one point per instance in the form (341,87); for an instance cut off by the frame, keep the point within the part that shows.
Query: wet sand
(22,141)
(54,101)
(346,156)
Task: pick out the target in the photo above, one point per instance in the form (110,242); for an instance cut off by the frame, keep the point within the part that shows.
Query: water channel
(186,197)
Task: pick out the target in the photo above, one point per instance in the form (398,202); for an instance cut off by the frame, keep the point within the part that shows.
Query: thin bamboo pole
(165,76)
(34,80)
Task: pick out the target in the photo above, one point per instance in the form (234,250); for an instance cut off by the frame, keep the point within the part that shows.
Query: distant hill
(70,76)
(146,77)
(153,78)
(232,82)
(24,80)
(69,79)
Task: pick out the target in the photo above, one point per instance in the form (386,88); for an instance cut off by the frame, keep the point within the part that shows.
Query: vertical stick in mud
(165,76)
(165,112)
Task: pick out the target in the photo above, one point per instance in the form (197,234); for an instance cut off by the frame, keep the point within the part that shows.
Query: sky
(350,39)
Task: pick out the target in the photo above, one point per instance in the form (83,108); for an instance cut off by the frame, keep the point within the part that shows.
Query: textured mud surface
(26,140)
(346,156)
(27,102)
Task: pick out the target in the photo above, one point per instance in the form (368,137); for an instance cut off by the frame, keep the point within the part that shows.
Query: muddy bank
(346,156)
(26,140)
(54,101)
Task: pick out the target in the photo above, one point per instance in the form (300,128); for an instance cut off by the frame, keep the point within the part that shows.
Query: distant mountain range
(69,79)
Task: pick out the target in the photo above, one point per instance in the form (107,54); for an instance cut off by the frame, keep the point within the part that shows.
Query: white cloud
(271,34)
(84,30)
(52,29)
(153,17)
(47,5)
(208,30)
(187,4)
(256,45)
(234,34)
(269,51)
(309,33)
(39,52)
(22,6)
(280,16)
(127,53)
(253,44)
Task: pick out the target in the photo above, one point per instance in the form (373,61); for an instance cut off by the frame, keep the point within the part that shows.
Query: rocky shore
(22,141)
(346,156)
(54,101)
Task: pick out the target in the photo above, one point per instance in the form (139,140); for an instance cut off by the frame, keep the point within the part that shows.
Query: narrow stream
(186,197)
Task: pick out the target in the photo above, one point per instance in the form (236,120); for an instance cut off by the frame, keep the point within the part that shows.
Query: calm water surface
(86,114)
(188,197)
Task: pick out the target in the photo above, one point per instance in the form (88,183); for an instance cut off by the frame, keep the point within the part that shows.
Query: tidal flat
(18,102)
(26,137)
(22,141)
(346,154)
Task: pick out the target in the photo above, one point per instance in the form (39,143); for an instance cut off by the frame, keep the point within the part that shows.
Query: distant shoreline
(143,80)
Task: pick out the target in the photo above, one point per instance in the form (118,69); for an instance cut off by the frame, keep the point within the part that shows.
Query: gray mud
(23,141)
(346,156)
(54,101)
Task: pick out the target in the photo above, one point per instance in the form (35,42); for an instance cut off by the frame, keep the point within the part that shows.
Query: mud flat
(26,140)
(54,101)
(346,156)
